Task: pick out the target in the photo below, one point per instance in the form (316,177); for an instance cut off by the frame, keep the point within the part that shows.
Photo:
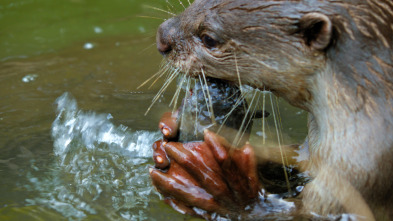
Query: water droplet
(29,78)
(88,46)
(299,188)
(97,30)
(261,134)
(142,29)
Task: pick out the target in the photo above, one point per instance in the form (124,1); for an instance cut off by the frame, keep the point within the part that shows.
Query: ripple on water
(100,168)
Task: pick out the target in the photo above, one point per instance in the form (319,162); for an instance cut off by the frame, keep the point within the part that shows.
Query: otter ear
(316,29)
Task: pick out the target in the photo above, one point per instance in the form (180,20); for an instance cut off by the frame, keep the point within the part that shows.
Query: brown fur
(333,59)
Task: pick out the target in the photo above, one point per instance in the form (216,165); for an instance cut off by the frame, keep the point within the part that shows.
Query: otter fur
(332,58)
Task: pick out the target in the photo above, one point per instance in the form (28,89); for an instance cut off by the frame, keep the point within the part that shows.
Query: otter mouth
(208,104)
(217,105)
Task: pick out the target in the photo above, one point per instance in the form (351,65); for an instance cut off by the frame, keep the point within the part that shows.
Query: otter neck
(342,109)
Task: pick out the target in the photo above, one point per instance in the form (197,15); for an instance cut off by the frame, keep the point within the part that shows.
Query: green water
(100,52)
(34,27)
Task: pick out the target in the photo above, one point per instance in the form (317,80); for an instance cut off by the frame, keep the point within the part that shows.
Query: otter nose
(163,43)
(165,35)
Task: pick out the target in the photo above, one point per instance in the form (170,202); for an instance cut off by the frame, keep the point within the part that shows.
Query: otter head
(270,45)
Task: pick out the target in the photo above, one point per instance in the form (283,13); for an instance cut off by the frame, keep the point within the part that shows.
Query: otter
(332,58)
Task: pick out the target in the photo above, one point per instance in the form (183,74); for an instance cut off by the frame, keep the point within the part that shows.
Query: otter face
(270,45)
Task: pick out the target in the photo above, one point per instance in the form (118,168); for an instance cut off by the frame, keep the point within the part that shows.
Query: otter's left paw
(209,175)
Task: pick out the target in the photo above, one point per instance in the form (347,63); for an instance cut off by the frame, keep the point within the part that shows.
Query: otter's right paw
(206,175)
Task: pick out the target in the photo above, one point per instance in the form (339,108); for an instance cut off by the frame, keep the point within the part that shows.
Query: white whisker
(237,139)
(163,88)
(145,49)
(212,117)
(187,94)
(204,94)
(280,128)
(263,116)
(238,73)
(279,145)
(249,118)
(177,93)
(226,117)
(169,4)
(158,75)
(181,3)
(164,71)
(150,17)
(159,9)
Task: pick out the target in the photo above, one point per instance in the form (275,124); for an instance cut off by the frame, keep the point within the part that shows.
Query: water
(95,161)
(85,157)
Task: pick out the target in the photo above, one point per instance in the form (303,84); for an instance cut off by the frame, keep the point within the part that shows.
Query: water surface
(74,140)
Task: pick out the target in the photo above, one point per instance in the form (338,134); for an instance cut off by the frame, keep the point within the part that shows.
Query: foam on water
(100,168)
(92,129)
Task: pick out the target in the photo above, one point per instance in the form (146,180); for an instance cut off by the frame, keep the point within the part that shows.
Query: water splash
(100,169)
(92,129)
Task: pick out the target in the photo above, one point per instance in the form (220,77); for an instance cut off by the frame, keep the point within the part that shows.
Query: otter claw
(159,156)
(159,159)
(165,131)
(168,125)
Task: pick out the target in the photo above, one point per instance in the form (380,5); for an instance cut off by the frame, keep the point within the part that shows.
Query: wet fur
(345,85)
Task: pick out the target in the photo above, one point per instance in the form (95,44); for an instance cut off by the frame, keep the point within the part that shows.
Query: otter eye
(209,42)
